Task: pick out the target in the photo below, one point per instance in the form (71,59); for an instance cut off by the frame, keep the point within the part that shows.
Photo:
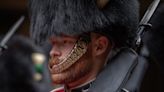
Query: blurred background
(32,74)
(11,10)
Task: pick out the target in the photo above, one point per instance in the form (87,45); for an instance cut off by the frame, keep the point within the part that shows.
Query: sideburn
(81,68)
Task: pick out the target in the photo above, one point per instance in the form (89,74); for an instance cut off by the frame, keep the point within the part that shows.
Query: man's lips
(55,65)
(53,61)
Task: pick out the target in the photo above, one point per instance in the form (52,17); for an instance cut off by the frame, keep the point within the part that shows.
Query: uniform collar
(82,88)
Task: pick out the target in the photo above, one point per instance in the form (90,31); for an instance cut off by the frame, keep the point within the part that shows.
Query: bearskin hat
(115,18)
(18,71)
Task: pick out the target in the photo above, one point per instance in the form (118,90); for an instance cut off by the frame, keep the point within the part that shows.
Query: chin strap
(76,53)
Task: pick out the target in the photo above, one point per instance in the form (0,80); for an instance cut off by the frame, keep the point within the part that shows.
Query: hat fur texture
(119,18)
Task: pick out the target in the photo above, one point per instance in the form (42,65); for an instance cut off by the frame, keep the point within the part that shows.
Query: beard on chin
(78,70)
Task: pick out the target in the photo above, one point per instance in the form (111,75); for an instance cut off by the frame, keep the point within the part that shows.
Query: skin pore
(87,67)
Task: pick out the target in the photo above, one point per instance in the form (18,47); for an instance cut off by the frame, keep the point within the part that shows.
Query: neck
(88,77)
(84,80)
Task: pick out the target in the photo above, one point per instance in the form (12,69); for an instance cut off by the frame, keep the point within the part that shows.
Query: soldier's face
(61,48)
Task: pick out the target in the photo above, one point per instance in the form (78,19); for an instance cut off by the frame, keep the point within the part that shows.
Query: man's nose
(55,52)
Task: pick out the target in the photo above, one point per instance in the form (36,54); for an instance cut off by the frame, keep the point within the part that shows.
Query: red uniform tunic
(61,89)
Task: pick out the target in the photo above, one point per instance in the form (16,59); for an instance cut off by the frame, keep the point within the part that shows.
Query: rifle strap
(123,73)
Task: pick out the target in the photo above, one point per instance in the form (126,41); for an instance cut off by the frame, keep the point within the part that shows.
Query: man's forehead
(63,36)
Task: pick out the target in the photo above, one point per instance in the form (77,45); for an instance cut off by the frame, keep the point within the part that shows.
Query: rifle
(9,34)
(144,23)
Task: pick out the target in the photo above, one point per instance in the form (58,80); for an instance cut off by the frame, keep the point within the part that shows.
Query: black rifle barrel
(149,12)
(144,21)
(11,32)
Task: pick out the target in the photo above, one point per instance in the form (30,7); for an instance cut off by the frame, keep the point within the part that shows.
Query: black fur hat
(117,18)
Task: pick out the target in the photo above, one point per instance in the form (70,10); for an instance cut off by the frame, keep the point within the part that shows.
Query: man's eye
(53,43)
(65,42)
(68,42)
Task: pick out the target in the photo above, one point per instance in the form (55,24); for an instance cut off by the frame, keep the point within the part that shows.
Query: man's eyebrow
(69,37)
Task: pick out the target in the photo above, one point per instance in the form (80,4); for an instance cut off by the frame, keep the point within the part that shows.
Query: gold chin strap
(102,3)
(78,51)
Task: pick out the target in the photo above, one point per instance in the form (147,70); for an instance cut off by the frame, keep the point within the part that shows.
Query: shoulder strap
(134,82)
(118,74)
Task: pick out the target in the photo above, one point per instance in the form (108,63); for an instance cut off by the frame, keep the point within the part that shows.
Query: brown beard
(57,65)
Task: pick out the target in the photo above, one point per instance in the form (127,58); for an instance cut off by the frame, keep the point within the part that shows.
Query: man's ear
(101,44)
